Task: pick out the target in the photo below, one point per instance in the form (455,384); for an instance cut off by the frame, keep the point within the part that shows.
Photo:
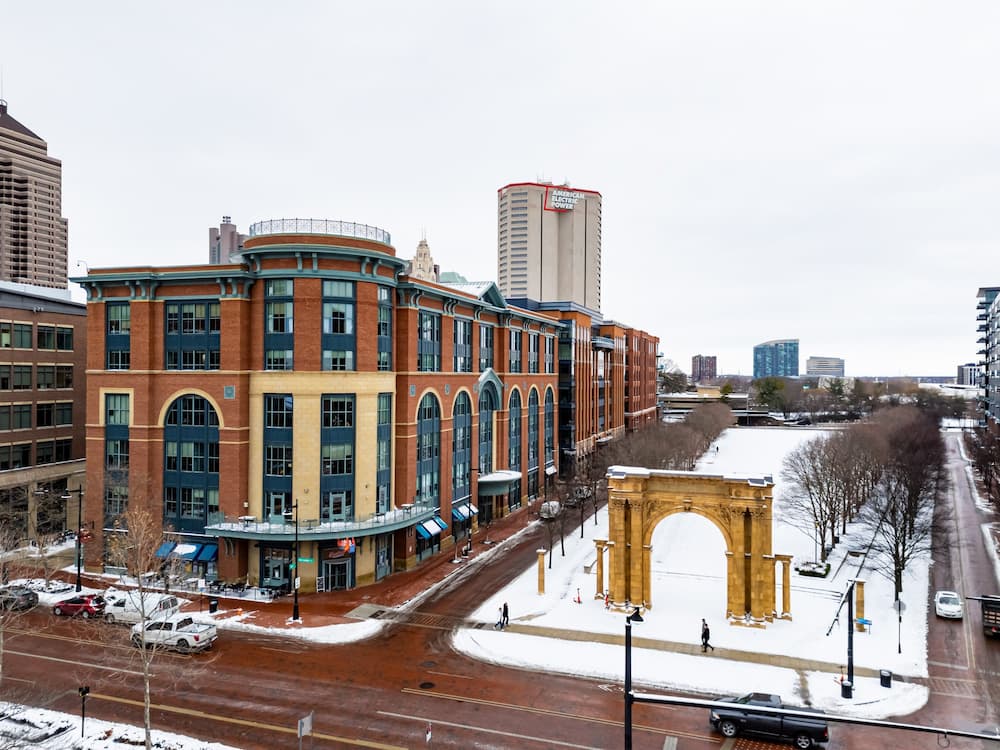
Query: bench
(588,566)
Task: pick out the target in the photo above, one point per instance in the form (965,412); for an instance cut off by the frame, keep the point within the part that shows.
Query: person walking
(499,623)
(706,634)
(504,616)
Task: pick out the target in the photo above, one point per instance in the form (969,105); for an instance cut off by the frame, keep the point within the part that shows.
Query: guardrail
(333,227)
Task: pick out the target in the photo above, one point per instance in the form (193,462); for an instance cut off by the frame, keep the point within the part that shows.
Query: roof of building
(9,123)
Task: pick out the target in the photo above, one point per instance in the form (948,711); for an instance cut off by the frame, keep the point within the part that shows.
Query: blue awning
(186,551)
(439,522)
(460,513)
(165,549)
(422,532)
(208,553)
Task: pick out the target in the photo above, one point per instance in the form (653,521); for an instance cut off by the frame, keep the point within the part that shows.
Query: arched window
(191,465)
(550,430)
(429,451)
(514,454)
(461,447)
(533,444)
(487,406)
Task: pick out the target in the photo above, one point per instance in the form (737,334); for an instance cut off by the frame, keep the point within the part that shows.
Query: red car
(85,605)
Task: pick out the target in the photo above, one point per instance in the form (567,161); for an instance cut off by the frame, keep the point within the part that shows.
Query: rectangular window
(384,321)
(64,339)
(338,411)
(338,459)
(429,343)
(515,351)
(5,417)
(333,288)
(5,337)
(46,337)
(45,451)
(64,413)
(532,352)
(278,410)
(64,376)
(21,419)
(116,408)
(119,318)
(64,450)
(338,317)
(5,380)
(22,336)
(550,354)
(22,377)
(119,359)
(45,415)
(338,360)
(116,452)
(384,329)
(46,377)
(279,288)
(278,359)
(278,317)
(463,345)
(384,409)
(116,500)
(485,347)
(278,460)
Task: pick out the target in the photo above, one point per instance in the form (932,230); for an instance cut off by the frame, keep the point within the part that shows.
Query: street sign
(291,566)
(899,605)
(306,559)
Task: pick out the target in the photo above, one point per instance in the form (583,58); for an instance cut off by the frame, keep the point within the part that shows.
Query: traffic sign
(291,566)
(306,559)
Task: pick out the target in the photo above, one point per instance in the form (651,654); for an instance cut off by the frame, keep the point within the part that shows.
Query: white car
(948,604)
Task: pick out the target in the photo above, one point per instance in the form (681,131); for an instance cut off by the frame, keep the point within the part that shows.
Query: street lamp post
(84,691)
(628,675)
(295,565)
(79,531)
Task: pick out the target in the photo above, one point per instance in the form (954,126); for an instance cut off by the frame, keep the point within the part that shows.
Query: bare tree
(900,514)
(552,514)
(811,501)
(133,546)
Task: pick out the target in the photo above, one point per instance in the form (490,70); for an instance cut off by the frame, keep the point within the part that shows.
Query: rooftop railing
(332,227)
(279,524)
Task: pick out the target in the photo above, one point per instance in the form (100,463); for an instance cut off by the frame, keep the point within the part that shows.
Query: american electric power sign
(557,199)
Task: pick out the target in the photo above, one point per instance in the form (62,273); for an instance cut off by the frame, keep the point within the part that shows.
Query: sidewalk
(333,607)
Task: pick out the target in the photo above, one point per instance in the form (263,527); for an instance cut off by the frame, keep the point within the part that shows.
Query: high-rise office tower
(778,358)
(549,243)
(224,242)
(831,367)
(33,234)
(702,368)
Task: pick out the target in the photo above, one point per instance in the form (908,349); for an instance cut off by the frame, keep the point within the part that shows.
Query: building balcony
(278,528)
(602,342)
(981,316)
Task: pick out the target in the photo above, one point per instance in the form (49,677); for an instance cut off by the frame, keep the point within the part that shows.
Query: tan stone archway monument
(638,499)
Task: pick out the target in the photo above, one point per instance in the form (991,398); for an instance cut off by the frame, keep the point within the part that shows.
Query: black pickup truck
(804,732)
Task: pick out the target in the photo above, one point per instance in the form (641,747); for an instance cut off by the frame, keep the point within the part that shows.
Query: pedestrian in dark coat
(706,634)
(504,617)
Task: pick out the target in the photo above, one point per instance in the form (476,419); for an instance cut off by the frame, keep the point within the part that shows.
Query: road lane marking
(560,714)
(73,662)
(243,722)
(513,735)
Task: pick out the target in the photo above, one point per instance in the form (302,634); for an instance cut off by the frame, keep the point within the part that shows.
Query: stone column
(600,543)
(786,587)
(859,604)
(647,568)
(611,568)
(541,570)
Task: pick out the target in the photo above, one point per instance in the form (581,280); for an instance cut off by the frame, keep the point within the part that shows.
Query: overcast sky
(827,171)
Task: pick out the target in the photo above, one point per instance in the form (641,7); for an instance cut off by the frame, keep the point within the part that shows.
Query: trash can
(846,689)
(213,606)
(885,677)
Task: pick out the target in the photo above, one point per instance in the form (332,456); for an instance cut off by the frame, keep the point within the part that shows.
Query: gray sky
(827,171)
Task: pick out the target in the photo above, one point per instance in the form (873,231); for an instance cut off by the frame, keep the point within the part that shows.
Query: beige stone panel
(308,389)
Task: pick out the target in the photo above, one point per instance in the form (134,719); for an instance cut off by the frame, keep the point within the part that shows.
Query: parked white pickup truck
(178,632)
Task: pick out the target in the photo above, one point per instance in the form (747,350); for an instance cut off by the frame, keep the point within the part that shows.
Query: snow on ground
(689,584)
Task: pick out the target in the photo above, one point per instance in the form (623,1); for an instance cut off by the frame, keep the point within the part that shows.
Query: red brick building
(313,392)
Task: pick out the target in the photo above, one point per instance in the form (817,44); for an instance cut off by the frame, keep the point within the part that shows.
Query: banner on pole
(306,725)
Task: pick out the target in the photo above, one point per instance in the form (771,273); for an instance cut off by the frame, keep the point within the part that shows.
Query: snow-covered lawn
(689,573)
